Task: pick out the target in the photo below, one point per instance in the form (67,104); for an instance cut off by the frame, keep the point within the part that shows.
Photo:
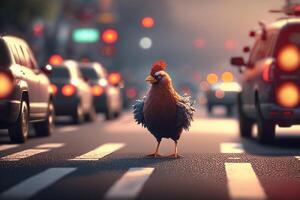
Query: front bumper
(9,111)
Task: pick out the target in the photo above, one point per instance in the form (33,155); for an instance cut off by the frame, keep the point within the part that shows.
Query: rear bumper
(66,105)
(228,99)
(9,111)
(279,114)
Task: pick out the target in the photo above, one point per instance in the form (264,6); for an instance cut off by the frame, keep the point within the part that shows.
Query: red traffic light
(55,59)
(147,22)
(109,36)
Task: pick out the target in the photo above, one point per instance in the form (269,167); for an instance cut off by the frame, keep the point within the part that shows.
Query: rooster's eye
(159,76)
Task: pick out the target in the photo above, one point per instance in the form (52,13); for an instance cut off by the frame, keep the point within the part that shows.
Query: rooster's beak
(150,79)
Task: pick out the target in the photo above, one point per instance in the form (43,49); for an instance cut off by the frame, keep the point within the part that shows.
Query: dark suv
(24,91)
(271,80)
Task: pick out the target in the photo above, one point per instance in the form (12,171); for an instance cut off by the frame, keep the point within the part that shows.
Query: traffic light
(147,22)
(109,36)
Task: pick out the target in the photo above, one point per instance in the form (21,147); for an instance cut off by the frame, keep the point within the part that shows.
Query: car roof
(283,22)
(14,39)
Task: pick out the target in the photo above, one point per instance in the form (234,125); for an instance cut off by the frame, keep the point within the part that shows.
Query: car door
(32,80)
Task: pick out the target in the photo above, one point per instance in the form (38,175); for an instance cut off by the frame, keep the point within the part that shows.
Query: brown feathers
(159,65)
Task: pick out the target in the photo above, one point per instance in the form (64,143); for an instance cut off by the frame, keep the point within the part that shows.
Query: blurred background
(195,37)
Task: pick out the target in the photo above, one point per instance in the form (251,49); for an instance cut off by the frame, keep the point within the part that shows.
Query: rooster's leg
(156,154)
(175,154)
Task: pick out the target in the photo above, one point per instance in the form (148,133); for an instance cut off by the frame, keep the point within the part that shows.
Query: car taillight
(289,58)
(53,89)
(268,72)
(288,95)
(6,84)
(97,90)
(68,90)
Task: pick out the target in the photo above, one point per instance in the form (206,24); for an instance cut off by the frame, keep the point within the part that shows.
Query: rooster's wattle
(163,111)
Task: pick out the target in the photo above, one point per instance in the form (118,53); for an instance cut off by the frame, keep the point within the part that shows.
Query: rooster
(163,111)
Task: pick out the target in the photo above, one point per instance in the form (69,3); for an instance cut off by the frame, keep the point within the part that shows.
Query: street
(107,160)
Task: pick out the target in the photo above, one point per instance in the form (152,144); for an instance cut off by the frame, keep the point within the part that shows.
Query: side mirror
(246,49)
(237,61)
(47,69)
(252,34)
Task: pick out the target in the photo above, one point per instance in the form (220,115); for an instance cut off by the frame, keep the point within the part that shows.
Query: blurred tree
(16,16)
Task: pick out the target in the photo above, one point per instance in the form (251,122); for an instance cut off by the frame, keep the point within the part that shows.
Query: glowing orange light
(147,22)
(288,95)
(110,36)
(53,89)
(55,59)
(288,58)
(227,77)
(131,93)
(114,78)
(6,85)
(97,90)
(212,78)
(68,90)
(220,94)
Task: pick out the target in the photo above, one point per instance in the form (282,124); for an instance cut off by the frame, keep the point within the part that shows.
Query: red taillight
(131,93)
(53,89)
(267,74)
(68,90)
(97,90)
(6,84)
(114,78)
(288,95)
(289,58)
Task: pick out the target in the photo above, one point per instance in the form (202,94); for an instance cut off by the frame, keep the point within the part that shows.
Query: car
(24,91)
(72,94)
(222,94)
(107,95)
(271,80)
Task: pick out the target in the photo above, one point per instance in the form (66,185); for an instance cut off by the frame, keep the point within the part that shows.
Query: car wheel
(265,128)
(209,109)
(245,124)
(108,114)
(91,116)
(229,111)
(45,128)
(18,131)
(78,117)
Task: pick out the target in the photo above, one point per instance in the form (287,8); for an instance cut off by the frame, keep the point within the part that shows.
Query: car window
(22,60)
(254,52)
(14,52)
(89,73)
(59,73)
(4,55)
(26,57)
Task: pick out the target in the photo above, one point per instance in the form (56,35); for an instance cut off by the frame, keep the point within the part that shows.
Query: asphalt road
(106,160)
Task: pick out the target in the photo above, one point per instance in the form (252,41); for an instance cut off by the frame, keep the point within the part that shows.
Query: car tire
(265,128)
(209,109)
(78,117)
(229,111)
(45,128)
(91,116)
(245,124)
(19,131)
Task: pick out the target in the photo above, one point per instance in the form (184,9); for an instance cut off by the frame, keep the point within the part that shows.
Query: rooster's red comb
(159,65)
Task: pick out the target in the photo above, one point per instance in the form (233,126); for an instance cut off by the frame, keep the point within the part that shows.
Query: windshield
(89,73)
(59,73)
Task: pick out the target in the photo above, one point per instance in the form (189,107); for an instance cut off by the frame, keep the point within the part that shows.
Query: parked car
(24,91)
(107,96)
(222,94)
(73,95)
(271,80)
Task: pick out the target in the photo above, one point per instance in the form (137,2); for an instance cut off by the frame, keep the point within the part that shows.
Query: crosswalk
(242,181)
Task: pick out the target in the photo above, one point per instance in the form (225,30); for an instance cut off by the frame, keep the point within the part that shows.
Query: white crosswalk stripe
(68,129)
(31,152)
(130,184)
(8,146)
(31,186)
(297,157)
(231,147)
(243,182)
(100,151)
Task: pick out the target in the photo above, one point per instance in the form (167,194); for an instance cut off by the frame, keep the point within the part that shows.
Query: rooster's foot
(154,155)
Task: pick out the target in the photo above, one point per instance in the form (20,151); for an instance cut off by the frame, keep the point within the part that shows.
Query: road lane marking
(100,151)
(130,184)
(8,146)
(23,154)
(68,129)
(243,182)
(50,145)
(31,186)
(231,147)
(297,157)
